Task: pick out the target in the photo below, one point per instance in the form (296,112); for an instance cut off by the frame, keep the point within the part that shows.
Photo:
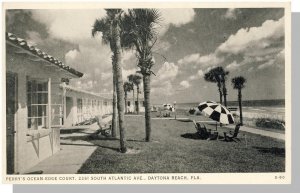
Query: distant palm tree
(130,79)
(218,75)
(239,83)
(140,34)
(111,30)
(136,79)
(127,88)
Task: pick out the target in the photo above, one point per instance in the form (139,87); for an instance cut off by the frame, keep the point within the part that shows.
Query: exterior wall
(32,146)
(92,105)
(130,108)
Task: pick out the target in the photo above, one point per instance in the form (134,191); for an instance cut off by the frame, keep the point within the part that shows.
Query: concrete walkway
(271,134)
(74,152)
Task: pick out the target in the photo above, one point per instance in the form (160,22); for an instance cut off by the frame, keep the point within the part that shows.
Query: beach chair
(232,136)
(105,125)
(201,130)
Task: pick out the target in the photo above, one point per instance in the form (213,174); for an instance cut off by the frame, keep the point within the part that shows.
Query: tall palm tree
(210,77)
(103,26)
(137,79)
(140,34)
(130,79)
(239,83)
(111,31)
(127,88)
(218,75)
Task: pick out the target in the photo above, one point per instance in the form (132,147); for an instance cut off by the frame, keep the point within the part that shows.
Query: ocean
(251,108)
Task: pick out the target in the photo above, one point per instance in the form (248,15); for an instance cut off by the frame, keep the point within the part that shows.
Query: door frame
(14,144)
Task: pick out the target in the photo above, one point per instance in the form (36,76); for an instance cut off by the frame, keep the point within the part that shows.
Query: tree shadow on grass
(135,140)
(191,136)
(184,120)
(91,138)
(273,150)
(92,145)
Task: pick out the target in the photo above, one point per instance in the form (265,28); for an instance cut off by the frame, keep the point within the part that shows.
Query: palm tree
(130,79)
(137,79)
(210,77)
(218,75)
(140,34)
(111,30)
(127,88)
(239,83)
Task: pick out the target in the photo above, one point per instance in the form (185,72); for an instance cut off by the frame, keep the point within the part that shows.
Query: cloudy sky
(246,42)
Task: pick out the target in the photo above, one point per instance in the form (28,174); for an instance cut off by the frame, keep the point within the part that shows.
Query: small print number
(279,177)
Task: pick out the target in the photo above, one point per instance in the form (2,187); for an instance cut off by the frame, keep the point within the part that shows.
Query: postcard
(147,93)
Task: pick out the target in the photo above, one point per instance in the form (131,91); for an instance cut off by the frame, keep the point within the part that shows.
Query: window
(37,103)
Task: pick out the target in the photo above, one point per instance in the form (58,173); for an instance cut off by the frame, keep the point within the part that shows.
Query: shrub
(270,123)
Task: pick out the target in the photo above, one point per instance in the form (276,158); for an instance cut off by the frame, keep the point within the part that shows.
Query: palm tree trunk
(225,94)
(240,106)
(126,102)
(146,82)
(133,98)
(220,92)
(115,109)
(119,84)
(137,99)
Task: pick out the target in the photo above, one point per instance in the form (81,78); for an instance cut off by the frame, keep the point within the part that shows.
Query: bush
(270,123)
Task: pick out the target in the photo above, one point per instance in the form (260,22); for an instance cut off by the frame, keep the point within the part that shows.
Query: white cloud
(277,61)
(200,73)
(162,82)
(205,60)
(167,72)
(126,73)
(165,89)
(193,58)
(69,25)
(185,84)
(252,40)
(266,64)
(231,13)
(71,55)
(176,17)
(211,59)
(34,38)
(127,55)
(193,77)
(232,65)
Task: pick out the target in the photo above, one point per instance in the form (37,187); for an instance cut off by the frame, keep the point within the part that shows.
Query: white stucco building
(38,104)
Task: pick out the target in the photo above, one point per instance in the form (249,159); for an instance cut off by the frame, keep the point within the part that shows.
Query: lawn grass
(169,152)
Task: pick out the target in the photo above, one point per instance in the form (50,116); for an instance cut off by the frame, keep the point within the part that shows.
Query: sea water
(274,109)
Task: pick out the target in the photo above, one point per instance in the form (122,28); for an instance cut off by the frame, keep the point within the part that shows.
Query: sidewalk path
(74,152)
(262,132)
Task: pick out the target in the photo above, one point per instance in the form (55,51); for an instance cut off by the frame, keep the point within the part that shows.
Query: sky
(246,42)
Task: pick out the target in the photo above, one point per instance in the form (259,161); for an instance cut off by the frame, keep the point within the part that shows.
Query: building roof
(70,88)
(21,43)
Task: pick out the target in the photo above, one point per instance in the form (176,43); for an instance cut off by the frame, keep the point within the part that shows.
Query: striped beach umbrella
(216,112)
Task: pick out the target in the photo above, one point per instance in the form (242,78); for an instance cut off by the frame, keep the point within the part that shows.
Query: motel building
(82,105)
(38,104)
(132,103)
